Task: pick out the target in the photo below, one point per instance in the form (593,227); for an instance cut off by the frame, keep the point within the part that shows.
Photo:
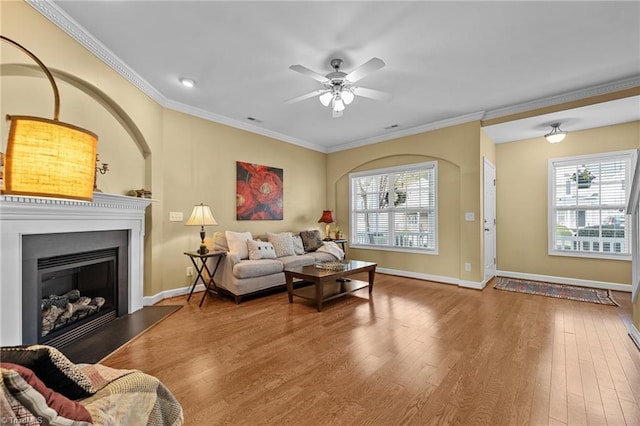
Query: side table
(211,285)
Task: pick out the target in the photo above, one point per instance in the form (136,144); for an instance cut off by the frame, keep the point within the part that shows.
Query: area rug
(560,291)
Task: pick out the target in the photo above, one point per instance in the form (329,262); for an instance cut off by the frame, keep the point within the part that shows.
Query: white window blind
(395,208)
(587,201)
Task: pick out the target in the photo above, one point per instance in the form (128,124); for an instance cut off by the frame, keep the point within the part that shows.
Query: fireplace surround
(22,217)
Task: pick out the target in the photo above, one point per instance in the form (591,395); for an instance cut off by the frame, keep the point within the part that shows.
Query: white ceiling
(446,62)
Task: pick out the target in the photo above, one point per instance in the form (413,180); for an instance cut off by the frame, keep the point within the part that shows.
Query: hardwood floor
(416,353)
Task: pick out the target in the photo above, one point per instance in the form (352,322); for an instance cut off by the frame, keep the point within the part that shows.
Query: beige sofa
(240,274)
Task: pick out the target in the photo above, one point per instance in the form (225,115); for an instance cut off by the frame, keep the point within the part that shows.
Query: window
(587,200)
(395,208)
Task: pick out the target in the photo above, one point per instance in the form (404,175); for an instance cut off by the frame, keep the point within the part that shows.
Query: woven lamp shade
(47,158)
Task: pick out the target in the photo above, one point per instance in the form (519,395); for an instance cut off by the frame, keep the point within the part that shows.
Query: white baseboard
(635,335)
(152,300)
(436,278)
(569,281)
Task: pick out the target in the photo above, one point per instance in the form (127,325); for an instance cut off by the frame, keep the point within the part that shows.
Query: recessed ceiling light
(187,82)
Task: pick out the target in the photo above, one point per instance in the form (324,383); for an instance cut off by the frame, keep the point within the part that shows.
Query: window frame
(432,166)
(625,155)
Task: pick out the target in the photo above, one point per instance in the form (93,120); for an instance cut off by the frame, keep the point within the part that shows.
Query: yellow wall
(522,204)
(183,160)
(457,150)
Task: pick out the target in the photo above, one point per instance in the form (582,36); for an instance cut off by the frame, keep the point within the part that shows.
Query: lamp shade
(201,216)
(555,135)
(327,217)
(47,158)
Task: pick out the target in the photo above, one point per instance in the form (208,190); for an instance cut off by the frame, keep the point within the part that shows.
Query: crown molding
(576,95)
(63,21)
(207,115)
(462,119)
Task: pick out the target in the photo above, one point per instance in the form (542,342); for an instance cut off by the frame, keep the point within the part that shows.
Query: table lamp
(328,218)
(201,216)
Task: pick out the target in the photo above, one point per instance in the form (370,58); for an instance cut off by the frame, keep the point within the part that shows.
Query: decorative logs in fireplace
(58,311)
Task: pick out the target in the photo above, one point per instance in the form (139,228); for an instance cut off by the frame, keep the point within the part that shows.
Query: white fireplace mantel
(26,215)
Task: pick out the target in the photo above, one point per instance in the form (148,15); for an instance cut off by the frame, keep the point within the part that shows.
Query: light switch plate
(175,216)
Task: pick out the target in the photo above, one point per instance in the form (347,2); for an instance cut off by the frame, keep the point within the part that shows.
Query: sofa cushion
(260,250)
(311,240)
(296,261)
(52,367)
(39,399)
(256,268)
(298,247)
(237,242)
(283,243)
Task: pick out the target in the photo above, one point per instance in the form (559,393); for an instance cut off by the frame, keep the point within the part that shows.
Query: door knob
(487,229)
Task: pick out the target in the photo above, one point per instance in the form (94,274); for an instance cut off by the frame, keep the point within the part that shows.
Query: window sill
(587,255)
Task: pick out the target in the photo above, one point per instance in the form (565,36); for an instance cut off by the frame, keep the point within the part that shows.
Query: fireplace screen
(76,290)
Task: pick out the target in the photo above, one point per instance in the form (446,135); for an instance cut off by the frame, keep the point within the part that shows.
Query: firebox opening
(76,290)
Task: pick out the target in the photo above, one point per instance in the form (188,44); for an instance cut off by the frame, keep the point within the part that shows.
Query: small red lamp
(328,218)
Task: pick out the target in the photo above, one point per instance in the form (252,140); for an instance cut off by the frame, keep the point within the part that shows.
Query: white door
(489,215)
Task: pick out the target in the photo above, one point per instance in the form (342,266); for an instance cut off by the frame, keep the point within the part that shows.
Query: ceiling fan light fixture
(325,98)
(556,134)
(338,105)
(347,97)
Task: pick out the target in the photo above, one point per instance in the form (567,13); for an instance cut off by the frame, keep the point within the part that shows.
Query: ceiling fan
(338,88)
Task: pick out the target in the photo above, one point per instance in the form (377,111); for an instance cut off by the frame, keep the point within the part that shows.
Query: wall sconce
(328,218)
(555,135)
(48,158)
(102,170)
(201,216)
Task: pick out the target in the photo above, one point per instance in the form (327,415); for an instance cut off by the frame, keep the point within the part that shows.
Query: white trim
(428,166)
(434,278)
(629,157)
(441,124)
(601,89)
(635,335)
(567,281)
(167,294)
(21,216)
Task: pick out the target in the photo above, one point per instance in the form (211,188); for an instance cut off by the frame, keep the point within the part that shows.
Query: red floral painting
(258,192)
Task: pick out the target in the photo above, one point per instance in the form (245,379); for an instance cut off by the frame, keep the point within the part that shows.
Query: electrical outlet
(175,216)
(467,267)
(189,271)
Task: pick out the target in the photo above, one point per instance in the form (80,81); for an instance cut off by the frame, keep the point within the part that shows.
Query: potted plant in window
(583,177)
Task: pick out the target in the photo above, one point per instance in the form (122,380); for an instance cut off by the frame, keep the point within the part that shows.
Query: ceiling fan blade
(308,72)
(306,96)
(365,69)
(372,94)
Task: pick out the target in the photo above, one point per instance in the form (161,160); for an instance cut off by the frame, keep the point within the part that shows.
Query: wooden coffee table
(328,284)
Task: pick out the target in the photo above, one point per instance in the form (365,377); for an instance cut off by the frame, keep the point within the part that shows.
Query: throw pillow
(55,370)
(311,239)
(237,242)
(282,243)
(24,392)
(220,241)
(260,250)
(298,247)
